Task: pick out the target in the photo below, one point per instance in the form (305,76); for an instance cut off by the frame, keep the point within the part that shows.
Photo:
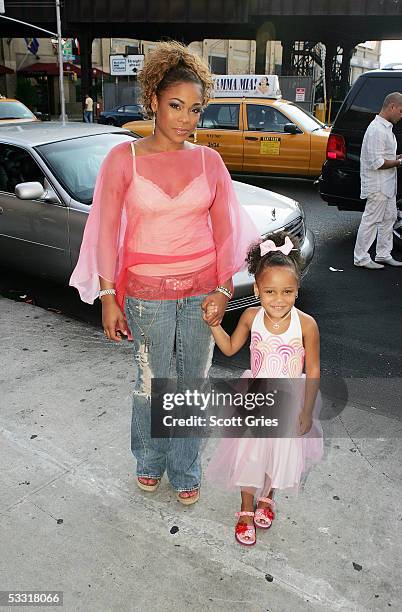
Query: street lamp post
(60,53)
(60,56)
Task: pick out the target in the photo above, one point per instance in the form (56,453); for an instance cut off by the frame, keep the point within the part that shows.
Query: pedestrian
(88,109)
(378,174)
(164,236)
(283,339)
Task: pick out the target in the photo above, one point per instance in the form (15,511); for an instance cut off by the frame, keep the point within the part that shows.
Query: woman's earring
(153,123)
(195,135)
(297,295)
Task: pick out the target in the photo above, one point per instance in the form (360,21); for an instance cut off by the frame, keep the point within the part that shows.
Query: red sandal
(245,533)
(263,517)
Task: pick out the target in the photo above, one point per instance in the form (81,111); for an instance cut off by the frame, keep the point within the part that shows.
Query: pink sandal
(263,517)
(245,533)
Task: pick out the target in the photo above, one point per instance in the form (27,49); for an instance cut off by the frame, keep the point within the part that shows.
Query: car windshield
(76,162)
(14,110)
(302,118)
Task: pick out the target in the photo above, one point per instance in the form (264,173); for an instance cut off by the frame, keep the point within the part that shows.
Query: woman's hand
(112,319)
(213,308)
(305,422)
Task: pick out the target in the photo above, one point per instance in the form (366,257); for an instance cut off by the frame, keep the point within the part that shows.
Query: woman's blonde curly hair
(171,62)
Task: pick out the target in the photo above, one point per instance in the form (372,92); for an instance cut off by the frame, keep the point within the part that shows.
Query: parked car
(121,114)
(14,111)
(259,136)
(339,182)
(47,178)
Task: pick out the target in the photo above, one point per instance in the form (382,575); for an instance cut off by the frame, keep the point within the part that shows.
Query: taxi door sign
(270,145)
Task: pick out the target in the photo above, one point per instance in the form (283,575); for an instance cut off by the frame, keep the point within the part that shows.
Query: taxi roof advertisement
(247,85)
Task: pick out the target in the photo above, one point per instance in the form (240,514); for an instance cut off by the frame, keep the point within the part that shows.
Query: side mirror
(290,128)
(35,191)
(29,191)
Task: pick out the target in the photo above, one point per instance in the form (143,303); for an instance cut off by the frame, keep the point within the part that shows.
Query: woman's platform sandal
(188,501)
(263,517)
(245,533)
(147,487)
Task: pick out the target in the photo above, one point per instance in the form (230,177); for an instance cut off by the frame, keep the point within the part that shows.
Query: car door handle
(251,138)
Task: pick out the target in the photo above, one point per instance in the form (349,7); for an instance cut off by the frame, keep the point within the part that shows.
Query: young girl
(283,340)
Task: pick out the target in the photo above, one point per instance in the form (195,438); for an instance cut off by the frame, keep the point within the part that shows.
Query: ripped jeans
(164,322)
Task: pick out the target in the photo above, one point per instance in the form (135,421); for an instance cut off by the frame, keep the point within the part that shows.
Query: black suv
(339,182)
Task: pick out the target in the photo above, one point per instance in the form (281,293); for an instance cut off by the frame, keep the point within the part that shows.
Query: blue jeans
(164,322)
(88,116)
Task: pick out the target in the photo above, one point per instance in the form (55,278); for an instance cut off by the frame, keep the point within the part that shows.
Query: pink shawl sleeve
(232,227)
(101,248)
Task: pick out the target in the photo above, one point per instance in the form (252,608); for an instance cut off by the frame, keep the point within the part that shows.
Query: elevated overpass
(339,24)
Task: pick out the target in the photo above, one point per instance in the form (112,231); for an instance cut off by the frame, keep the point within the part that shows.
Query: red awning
(98,72)
(49,68)
(5,70)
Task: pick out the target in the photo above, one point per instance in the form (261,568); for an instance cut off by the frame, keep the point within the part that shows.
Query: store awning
(52,69)
(49,68)
(5,70)
(98,72)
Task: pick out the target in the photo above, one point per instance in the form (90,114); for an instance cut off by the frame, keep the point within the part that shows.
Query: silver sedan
(47,177)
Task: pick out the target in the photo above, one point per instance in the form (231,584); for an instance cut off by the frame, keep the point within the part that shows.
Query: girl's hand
(305,423)
(211,312)
(213,307)
(112,319)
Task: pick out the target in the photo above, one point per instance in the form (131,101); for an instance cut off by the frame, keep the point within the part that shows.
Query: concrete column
(85,39)
(287,49)
(330,55)
(347,53)
(261,55)
(265,33)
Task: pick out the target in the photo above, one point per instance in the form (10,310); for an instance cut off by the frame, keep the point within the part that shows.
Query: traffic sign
(126,65)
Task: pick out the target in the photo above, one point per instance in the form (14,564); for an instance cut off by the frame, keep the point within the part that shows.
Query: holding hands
(213,308)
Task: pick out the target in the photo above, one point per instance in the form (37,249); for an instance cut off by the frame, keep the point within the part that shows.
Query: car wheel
(110,121)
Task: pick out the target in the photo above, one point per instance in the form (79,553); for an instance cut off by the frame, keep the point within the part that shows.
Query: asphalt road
(358,311)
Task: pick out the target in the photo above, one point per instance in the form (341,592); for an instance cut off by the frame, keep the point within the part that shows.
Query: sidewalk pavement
(72,518)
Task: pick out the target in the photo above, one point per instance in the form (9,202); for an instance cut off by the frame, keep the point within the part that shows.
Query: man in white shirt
(89,107)
(378,174)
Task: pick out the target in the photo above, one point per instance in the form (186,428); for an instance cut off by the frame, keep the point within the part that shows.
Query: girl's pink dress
(166,225)
(257,465)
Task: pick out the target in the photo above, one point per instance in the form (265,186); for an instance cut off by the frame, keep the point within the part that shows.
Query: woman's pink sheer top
(162,226)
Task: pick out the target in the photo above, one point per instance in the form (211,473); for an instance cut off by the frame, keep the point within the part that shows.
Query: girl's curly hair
(171,62)
(256,264)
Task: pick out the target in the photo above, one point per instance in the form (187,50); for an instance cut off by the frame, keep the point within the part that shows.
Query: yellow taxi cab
(14,111)
(258,133)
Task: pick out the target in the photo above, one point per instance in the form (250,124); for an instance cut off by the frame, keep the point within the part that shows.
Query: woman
(163,239)
(263,85)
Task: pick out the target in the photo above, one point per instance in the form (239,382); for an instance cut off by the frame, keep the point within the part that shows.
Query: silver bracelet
(107,292)
(225,291)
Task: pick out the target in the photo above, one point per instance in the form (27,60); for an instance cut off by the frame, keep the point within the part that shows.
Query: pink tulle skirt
(257,465)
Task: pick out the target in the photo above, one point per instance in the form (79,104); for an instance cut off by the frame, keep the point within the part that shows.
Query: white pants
(377,221)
